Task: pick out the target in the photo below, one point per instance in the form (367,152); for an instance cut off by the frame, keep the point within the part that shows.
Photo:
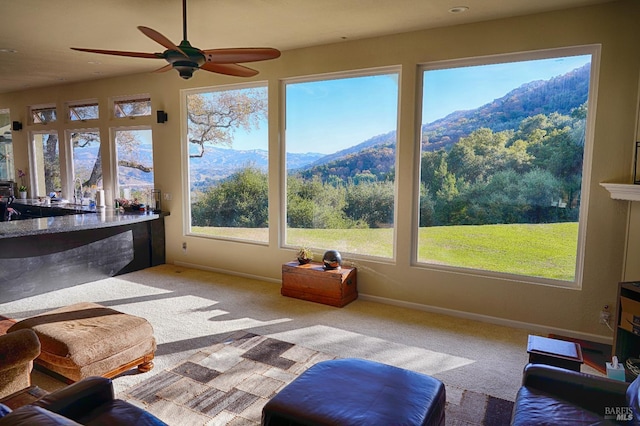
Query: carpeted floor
(191,309)
(230,381)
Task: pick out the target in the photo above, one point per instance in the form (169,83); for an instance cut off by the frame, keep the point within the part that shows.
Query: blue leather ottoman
(357,392)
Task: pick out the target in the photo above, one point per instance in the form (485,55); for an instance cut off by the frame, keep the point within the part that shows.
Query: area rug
(229,382)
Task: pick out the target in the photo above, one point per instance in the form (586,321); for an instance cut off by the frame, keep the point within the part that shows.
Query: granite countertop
(103,217)
(56,205)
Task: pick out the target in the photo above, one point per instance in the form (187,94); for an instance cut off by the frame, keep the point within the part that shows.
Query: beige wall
(613,25)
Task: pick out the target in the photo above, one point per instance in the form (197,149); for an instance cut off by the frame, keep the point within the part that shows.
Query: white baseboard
(227,272)
(536,328)
(541,329)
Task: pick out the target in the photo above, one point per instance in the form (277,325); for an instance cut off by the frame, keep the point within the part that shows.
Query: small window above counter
(622,191)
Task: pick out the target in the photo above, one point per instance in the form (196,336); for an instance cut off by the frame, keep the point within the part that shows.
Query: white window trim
(42,107)
(70,186)
(595,51)
(364,72)
(130,98)
(34,188)
(75,104)
(186,179)
(113,166)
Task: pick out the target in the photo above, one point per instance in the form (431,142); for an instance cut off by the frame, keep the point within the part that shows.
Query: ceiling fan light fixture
(185,69)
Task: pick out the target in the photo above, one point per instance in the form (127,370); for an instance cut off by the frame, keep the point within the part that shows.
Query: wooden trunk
(312,282)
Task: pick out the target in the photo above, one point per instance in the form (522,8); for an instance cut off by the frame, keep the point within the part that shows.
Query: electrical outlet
(605,315)
(167,196)
(184,246)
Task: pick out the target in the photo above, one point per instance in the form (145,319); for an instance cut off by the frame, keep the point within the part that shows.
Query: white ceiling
(42,31)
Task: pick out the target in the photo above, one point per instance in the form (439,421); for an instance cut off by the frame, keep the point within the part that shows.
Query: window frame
(69,158)
(186,181)
(34,186)
(69,107)
(33,109)
(114,103)
(113,150)
(595,51)
(363,72)
(8,159)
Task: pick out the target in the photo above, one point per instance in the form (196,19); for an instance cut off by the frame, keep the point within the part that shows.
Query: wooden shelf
(622,191)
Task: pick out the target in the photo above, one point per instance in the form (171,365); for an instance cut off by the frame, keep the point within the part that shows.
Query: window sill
(623,191)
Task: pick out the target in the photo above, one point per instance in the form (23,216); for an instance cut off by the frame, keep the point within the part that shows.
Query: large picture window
(227,147)
(340,163)
(502,162)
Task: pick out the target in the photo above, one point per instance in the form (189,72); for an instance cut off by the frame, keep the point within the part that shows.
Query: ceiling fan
(186,59)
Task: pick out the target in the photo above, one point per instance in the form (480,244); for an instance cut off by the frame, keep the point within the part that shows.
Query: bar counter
(49,253)
(102,218)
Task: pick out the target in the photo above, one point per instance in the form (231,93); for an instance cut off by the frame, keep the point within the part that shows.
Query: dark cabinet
(626,338)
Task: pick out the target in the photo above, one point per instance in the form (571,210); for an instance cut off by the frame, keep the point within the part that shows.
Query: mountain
(381,140)
(559,94)
(219,163)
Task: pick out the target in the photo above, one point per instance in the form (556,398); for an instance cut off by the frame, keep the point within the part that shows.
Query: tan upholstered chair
(17,352)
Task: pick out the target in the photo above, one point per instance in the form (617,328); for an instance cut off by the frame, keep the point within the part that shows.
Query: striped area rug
(229,383)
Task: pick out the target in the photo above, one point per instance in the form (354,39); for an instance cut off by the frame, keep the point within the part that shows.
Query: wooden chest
(312,282)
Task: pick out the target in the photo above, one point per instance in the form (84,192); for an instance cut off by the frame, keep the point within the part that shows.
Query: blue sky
(326,116)
(456,89)
(329,115)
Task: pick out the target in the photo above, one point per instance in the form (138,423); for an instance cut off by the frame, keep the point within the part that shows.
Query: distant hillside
(536,97)
(218,163)
(377,160)
(379,140)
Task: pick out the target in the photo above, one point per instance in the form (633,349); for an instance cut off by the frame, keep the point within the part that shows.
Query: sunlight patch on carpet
(355,345)
(229,382)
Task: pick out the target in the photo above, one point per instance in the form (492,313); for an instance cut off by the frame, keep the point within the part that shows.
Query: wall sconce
(636,170)
(162,116)
(16,126)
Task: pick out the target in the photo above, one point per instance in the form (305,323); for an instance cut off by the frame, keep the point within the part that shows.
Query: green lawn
(541,250)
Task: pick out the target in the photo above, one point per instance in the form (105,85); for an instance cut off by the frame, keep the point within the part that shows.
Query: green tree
(214,116)
(539,190)
(480,155)
(314,204)
(433,169)
(371,203)
(239,201)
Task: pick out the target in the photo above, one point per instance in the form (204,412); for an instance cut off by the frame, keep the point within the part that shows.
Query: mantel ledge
(622,191)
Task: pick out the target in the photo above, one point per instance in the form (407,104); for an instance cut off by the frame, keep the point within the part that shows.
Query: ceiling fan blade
(160,39)
(244,54)
(121,53)
(167,67)
(229,69)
